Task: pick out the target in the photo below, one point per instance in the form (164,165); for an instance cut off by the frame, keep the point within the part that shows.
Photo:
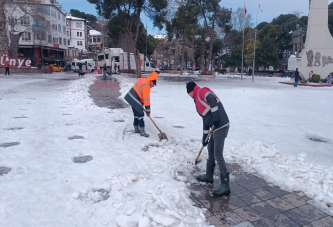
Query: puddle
(317,140)
(105,93)
(178,126)
(15,128)
(82,159)
(20,117)
(4,170)
(119,120)
(9,144)
(75,137)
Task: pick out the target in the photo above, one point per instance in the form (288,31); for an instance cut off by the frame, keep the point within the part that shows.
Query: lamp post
(255,43)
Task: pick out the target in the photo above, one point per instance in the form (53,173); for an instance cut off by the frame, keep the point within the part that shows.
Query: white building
(95,38)
(43,27)
(77,36)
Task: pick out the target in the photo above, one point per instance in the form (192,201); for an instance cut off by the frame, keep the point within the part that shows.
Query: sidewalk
(254,202)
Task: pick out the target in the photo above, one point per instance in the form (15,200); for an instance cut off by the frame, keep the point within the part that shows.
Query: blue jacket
(296,75)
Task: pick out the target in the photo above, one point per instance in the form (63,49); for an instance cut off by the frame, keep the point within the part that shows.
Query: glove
(148,113)
(203,140)
(216,123)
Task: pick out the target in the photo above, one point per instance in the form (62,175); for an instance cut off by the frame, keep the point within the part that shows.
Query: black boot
(224,189)
(208,177)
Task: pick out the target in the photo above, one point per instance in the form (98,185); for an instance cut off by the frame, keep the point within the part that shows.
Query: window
(63,18)
(55,40)
(60,40)
(49,38)
(94,39)
(67,23)
(107,56)
(58,15)
(78,34)
(53,14)
(79,24)
(98,39)
(69,42)
(90,40)
(100,57)
(67,33)
(25,21)
(59,27)
(12,19)
(65,42)
(78,43)
(64,29)
(54,27)
(26,36)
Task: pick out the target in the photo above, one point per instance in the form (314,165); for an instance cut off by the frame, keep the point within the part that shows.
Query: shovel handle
(198,156)
(153,121)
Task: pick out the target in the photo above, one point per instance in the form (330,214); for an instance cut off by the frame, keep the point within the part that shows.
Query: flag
(259,7)
(245,10)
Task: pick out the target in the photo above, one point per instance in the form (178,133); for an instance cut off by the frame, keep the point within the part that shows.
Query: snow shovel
(207,138)
(161,135)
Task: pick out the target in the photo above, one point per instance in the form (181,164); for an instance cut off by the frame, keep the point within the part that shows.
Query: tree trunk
(3,31)
(182,64)
(210,48)
(175,64)
(14,41)
(202,53)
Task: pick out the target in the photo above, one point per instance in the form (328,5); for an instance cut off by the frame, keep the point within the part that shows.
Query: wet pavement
(255,202)
(105,93)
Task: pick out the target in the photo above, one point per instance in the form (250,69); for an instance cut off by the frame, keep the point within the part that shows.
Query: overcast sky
(271,8)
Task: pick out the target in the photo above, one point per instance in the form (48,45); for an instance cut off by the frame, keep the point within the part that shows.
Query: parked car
(67,68)
(57,68)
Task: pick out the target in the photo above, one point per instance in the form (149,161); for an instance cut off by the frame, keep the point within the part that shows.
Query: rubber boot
(136,129)
(143,133)
(208,177)
(224,189)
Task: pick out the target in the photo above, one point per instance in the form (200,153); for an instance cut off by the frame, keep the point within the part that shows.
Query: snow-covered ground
(270,129)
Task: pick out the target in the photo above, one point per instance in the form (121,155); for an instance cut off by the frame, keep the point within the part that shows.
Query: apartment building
(44,34)
(77,33)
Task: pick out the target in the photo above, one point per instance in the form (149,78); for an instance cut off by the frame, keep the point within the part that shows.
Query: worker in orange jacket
(7,67)
(139,96)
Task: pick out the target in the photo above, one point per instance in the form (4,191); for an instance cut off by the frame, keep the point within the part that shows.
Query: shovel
(161,135)
(207,138)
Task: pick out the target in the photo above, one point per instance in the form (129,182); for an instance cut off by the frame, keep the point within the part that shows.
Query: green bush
(315,78)
(303,81)
(324,81)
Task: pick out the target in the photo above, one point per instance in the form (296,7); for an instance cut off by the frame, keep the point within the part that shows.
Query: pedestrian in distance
(329,80)
(310,75)
(7,67)
(211,110)
(84,69)
(296,73)
(95,69)
(80,69)
(104,70)
(139,97)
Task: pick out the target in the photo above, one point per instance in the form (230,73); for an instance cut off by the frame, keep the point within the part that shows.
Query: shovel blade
(162,136)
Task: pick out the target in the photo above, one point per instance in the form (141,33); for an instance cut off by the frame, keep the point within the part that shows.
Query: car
(57,68)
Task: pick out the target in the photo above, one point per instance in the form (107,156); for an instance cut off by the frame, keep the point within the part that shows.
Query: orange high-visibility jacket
(142,88)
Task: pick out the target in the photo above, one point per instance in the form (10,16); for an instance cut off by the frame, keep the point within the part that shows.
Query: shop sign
(26,63)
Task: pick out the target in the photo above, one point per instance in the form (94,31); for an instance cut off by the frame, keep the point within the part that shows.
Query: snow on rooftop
(94,32)
(74,18)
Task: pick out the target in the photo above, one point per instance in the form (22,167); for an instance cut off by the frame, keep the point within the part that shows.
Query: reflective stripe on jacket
(142,88)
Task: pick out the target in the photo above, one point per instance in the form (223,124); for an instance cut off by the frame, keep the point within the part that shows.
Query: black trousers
(7,71)
(138,119)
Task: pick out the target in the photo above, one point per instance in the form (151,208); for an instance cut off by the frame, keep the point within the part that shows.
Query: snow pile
(291,173)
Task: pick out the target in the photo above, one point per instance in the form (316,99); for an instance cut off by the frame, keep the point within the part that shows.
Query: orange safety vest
(142,88)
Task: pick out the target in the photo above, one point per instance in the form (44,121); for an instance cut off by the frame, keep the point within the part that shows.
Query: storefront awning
(54,59)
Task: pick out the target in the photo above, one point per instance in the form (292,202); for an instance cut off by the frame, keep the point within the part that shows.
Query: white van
(90,64)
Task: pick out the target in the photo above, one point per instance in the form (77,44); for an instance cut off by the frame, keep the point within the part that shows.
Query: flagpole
(255,43)
(243,43)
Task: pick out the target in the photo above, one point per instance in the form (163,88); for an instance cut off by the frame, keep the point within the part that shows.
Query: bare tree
(4,43)
(239,20)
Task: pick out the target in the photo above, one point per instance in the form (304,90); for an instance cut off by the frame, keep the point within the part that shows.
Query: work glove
(203,140)
(148,113)
(216,123)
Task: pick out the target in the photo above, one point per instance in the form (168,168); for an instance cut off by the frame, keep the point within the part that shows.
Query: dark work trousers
(138,119)
(7,71)
(215,148)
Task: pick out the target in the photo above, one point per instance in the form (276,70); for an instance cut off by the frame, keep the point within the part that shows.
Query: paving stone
(264,223)
(276,190)
(229,218)
(236,189)
(299,216)
(249,198)
(249,184)
(324,222)
(263,194)
(235,203)
(213,220)
(312,211)
(293,200)
(280,204)
(244,224)
(248,214)
(282,220)
(265,209)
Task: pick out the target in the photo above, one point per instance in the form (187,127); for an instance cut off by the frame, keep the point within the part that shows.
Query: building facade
(43,32)
(77,33)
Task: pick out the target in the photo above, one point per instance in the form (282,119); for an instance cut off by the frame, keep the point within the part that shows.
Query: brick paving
(255,202)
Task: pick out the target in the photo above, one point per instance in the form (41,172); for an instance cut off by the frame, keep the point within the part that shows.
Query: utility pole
(243,42)
(146,46)
(255,43)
